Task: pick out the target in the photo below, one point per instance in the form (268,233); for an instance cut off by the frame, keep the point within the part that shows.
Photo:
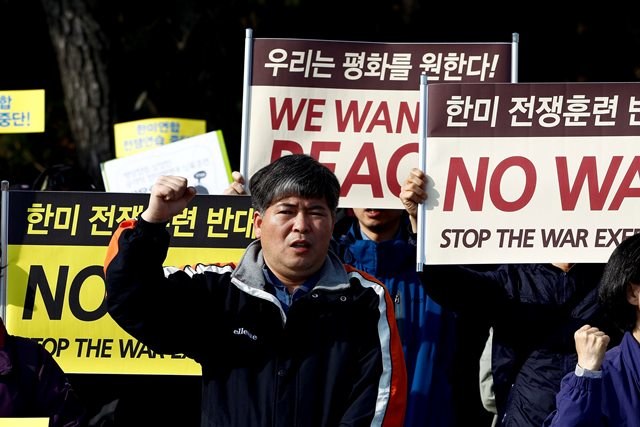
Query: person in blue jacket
(604,389)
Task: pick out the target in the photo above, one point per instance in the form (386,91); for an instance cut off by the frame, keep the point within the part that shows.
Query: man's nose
(301,222)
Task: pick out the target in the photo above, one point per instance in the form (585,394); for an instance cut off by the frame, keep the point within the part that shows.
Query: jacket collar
(250,269)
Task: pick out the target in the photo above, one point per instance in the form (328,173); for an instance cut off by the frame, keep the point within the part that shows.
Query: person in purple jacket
(604,390)
(33,385)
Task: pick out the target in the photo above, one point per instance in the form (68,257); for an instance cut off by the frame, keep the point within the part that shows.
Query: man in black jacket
(288,337)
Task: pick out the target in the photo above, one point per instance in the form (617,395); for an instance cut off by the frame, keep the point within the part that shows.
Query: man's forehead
(301,201)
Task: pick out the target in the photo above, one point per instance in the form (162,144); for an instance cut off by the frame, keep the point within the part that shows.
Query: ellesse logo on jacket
(243,331)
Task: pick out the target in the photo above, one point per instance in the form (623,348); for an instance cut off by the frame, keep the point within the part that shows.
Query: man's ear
(633,294)
(257,224)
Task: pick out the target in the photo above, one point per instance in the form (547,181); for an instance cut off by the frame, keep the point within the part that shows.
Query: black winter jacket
(334,359)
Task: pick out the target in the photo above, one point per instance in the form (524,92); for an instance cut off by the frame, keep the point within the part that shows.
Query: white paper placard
(202,159)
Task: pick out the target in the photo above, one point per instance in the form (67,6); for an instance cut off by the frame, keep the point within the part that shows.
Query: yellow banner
(141,135)
(22,111)
(57,243)
(24,422)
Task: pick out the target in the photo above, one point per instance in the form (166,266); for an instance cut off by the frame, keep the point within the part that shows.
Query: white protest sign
(354,106)
(202,159)
(531,172)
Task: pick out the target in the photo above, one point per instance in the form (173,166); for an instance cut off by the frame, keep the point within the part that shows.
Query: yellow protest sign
(24,422)
(141,135)
(57,242)
(22,111)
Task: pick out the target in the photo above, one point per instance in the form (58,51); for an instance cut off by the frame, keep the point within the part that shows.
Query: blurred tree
(106,62)
(82,52)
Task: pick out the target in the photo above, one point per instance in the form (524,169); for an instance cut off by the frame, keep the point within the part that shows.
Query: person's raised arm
(137,288)
(473,288)
(580,396)
(169,196)
(413,193)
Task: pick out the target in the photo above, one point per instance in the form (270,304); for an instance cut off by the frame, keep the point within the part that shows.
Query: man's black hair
(622,269)
(294,175)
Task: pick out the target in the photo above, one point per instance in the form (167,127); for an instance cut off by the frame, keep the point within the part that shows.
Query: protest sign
(57,243)
(141,135)
(202,159)
(22,111)
(352,105)
(531,172)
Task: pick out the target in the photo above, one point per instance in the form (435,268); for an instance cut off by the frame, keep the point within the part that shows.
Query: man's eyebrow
(319,204)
